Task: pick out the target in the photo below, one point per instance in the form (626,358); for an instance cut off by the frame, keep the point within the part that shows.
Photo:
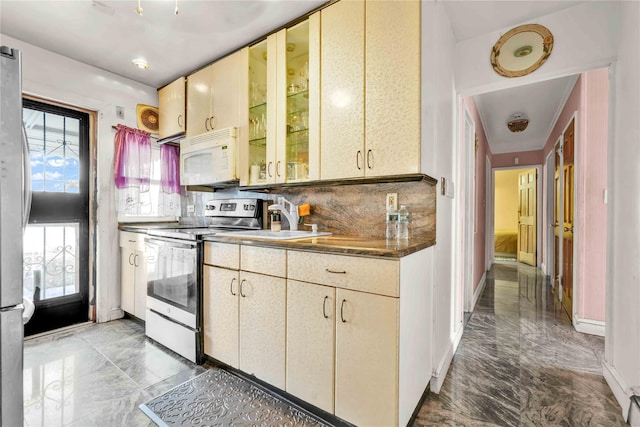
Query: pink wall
(479,237)
(525,158)
(589,99)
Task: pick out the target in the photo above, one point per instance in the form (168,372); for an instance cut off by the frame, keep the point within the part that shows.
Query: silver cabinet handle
(231,287)
(370,159)
(26,178)
(269,169)
(278,168)
(130,255)
(335,272)
(180,121)
(135,260)
(212,122)
(358,156)
(241,283)
(342,311)
(206,123)
(324,310)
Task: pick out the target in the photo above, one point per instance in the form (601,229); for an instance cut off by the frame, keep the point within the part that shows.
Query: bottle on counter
(403,223)
(276,224)
(392,224)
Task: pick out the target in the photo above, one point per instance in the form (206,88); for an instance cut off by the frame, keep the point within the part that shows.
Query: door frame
(491,209)
(489,247)
(549,193)
(577,225)
(467,203)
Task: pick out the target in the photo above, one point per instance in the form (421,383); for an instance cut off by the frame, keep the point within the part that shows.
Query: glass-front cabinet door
(284,108)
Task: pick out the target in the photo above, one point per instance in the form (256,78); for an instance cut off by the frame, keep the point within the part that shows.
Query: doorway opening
(56,240)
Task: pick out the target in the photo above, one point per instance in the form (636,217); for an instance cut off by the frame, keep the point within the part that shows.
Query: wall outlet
(392,201)
(191,208)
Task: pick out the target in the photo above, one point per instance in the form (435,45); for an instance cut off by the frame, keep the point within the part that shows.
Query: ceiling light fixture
(518,122)
(139,9)
(141,63)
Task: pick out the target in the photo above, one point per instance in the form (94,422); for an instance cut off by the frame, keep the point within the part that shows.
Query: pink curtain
(170,169)
(132,159)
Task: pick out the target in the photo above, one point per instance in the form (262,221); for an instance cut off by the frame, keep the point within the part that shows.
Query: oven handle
(173,242)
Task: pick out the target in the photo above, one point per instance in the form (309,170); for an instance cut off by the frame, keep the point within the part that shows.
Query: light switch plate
(392,201)
(191,208)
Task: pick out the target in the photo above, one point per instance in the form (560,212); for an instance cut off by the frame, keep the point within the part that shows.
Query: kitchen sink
(273,235)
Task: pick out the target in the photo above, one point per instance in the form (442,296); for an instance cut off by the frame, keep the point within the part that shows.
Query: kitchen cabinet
(370,89)
(245,309)
(172,109)
(366,369)
(133,274)
(284,109)
(217,95)
(311,337)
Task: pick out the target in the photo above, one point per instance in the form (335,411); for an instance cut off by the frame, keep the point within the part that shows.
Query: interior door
(557,219)
(527,189)
(56,241)
(568,216)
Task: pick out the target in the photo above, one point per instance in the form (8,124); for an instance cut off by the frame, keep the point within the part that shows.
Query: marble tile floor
(521,363)
(97,375)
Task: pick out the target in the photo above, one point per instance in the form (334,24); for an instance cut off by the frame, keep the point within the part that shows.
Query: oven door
(172,279)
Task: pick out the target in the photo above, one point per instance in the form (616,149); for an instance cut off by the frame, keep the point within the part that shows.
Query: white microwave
(209,158)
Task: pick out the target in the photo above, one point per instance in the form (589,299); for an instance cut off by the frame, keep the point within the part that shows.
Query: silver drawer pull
(241,283)
(342,311)
(335,272)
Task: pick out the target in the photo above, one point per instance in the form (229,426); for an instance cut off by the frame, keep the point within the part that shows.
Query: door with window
(56,241)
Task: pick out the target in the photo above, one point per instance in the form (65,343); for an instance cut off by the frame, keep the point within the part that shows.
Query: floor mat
(220,398)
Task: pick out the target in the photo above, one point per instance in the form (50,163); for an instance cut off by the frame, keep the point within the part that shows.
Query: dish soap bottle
(403,223)
(276,224)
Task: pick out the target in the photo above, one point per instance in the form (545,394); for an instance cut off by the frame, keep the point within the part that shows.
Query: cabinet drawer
(272,262)
(222,255)
(133,241)
(378,276)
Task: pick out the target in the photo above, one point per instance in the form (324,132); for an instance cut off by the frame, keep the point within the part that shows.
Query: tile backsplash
(357,209)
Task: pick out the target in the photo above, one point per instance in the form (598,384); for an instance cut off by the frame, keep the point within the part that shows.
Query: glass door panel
(297,109)
(258,113)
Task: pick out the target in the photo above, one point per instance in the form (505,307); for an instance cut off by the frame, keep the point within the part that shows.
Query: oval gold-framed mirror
(521,50)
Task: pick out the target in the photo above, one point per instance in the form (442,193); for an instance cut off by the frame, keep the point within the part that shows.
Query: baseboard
(115,313)
(478,291)
(437,379)
(618,387)
(588,326)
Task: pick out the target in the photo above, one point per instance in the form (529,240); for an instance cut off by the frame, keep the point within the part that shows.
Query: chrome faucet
(291,214)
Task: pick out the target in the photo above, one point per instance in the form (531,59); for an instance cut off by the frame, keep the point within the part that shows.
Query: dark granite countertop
(345,245)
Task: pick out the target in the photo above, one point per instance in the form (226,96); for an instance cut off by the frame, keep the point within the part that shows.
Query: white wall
(438,136)
(622,339)
(585,37)
(52,76)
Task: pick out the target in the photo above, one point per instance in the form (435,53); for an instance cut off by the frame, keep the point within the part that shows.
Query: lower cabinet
(311,332)
(245,313)
(133,274)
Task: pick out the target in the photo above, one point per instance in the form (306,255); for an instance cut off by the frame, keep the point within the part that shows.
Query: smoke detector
(517,122)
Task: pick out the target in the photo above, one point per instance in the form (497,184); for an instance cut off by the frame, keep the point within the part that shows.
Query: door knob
(569,229)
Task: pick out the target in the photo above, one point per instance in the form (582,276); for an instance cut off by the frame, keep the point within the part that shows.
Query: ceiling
(108,34)
(541,103)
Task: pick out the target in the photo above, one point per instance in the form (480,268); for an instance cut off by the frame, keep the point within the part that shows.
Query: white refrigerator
(14,213)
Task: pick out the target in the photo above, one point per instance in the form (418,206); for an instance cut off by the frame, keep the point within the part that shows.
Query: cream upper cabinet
(284,107)
(392,126)
(217,95)
(220,314)
(342,90)
(370,89)
(366,385)
(172,109)
(262,326)
(311,337)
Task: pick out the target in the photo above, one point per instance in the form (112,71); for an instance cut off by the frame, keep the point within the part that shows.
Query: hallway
(521,363)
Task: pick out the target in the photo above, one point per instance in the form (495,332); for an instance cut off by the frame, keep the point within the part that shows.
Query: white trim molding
(478,291)
(440,373)
(618,387)
(588,326)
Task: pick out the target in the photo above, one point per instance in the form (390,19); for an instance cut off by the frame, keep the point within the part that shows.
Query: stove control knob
(246,207)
